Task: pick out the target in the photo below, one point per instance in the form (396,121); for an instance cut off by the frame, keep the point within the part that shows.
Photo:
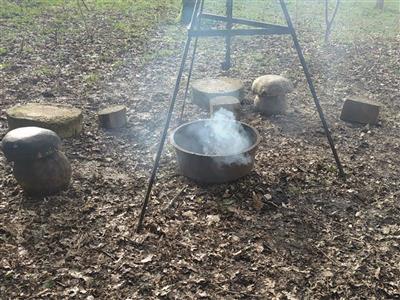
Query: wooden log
(229,103)
(65,121)
(113,117)
(360,110)
(204,90)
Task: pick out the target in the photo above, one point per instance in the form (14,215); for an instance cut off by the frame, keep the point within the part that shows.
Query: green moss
(3,51)
(44,71)
(5,66)
(92,78)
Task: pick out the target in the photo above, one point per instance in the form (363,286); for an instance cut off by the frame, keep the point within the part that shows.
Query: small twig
(84,4)
(172,202)
(39,294)
(334,261)
(84,20)
(106,253)
(21,47)
(238,293)
(60,284)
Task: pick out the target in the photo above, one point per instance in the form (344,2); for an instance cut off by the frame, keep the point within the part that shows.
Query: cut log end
(360,110)
(229,103)
(113,117)
(65,121)
(204,90)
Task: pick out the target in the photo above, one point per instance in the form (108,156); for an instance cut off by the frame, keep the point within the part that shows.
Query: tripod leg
(191,64)
(229,14)
(188,81)
(166,126)
(312,88)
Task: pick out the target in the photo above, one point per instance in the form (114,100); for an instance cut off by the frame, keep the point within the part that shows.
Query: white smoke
(224,137)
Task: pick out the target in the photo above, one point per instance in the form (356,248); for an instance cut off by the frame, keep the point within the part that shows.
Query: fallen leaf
(213,219)
(147,259)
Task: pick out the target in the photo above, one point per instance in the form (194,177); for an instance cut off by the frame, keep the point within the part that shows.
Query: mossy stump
(204,90)
(65,121)
(113,117)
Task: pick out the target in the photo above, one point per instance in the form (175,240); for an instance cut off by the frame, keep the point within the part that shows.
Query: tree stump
(113,117)
(204,90)
(65,121)
(360,110)
(229,103)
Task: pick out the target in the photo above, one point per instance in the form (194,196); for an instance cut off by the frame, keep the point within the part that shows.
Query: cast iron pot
(206,168)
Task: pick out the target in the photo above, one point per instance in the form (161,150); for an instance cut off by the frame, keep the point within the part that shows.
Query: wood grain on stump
(66,121)
(113,117)
(205,89)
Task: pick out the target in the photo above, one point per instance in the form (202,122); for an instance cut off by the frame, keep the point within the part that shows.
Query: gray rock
(271,85)
(271,105)
(44,176)
(29,143)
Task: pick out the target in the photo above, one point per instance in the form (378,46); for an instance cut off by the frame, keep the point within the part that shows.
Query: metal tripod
(259,28)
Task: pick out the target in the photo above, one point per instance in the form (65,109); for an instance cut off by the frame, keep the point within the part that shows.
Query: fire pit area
(215,150)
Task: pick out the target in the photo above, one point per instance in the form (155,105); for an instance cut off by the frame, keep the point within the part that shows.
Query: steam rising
(222,136)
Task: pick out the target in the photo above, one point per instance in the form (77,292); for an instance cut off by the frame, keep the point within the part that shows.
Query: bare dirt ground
(290,230)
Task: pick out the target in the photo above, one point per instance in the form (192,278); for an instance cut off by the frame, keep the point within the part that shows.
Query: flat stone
(29,143)
(113,116)
(44,176)
(205,89)
(360,109)
(65,121)
(271,85)
(227,102)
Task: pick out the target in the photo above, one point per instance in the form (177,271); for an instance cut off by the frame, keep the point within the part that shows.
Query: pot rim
(249,149)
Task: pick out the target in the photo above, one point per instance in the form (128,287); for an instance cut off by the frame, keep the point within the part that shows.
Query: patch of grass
(356,19)
(3,51)
(9,9)
(53,19)
(5,66)
(44,71)
(48,284)
(167,52)
(92,78)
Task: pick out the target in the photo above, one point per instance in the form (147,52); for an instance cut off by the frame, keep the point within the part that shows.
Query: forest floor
(292,229)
